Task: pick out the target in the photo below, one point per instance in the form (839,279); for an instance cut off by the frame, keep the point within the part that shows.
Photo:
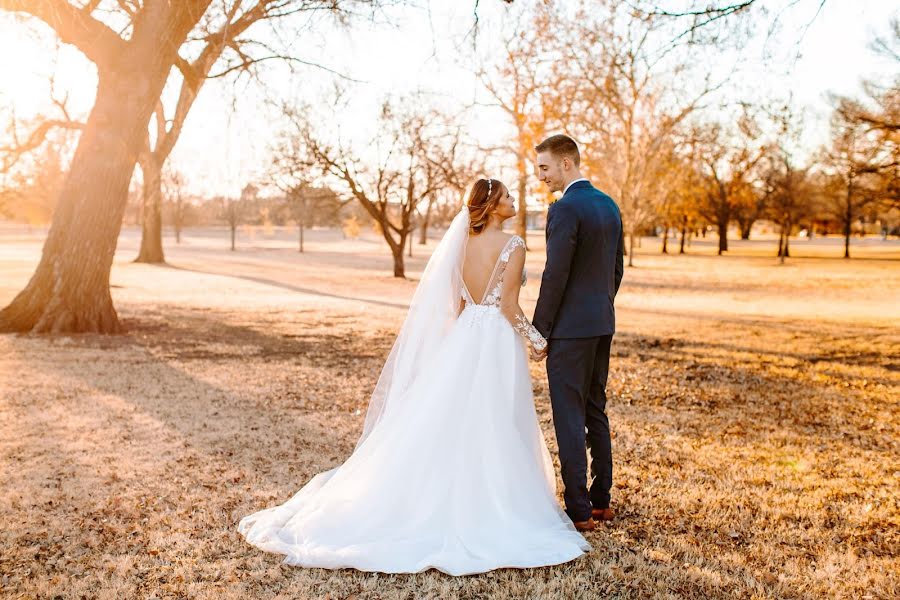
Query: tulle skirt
(455,476)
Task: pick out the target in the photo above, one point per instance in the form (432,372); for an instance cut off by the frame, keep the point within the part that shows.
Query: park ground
(754,410)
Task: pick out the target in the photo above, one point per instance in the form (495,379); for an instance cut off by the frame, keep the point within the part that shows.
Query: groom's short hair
(560,145)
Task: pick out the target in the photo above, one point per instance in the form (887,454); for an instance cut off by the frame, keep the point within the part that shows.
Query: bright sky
(229,132)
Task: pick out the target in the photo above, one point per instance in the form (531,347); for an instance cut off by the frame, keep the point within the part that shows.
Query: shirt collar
(572,182)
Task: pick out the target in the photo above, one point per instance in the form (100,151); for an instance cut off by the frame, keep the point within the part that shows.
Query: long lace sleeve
(509,297)
(527,330)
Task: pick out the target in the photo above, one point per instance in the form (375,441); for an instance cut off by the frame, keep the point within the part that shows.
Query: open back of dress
(490,294)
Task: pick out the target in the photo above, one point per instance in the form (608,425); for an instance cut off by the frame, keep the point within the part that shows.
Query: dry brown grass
(754,408)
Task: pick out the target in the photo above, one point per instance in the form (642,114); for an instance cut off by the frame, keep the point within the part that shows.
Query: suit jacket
(584,266)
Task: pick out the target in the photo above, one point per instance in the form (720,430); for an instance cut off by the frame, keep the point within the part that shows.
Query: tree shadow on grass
(775,323)
(294,288)
(711,392)
(878,353)
(232,435)
(232,453)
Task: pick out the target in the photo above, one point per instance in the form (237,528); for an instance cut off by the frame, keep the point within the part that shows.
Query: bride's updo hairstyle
(483,199)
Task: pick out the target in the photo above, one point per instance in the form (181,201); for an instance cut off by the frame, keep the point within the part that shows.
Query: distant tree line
(629,81)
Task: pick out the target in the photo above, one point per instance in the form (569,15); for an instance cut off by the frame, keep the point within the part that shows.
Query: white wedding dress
(452,471)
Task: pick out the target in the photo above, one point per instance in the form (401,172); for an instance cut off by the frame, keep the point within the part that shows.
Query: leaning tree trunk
(69,291)
(151,223)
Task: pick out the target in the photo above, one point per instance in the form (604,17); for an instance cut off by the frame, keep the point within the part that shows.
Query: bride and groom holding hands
(452,471)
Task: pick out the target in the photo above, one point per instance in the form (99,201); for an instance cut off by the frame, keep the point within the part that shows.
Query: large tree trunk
(69,291)
(151,222)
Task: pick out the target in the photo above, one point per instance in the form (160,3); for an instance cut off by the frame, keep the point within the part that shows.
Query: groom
(575,313)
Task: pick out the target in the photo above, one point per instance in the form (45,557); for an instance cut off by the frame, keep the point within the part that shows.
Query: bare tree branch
(73,26)
(12,153)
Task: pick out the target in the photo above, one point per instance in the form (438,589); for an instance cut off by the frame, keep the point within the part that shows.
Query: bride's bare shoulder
(503,238)
(491,238)
(507,242)
(513,240)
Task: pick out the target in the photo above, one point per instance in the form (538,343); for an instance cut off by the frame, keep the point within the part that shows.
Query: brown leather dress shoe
(588,525)
(603,514)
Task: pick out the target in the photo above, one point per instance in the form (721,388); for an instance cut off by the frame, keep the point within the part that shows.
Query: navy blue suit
(575,311)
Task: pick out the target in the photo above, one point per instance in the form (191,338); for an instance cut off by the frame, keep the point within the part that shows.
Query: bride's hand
(538,355)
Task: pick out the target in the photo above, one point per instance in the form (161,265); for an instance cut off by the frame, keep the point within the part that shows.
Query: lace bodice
(492,294)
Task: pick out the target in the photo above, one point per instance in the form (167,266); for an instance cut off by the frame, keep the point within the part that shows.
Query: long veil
(434,307)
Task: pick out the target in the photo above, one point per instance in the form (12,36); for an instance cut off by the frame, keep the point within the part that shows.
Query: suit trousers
(577,370)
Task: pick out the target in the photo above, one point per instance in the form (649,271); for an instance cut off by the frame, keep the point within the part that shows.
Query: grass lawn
(754,410)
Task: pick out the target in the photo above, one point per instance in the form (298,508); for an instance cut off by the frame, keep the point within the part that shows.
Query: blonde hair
(483,200)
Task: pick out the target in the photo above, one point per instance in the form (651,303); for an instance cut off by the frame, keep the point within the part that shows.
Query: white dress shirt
(571,182)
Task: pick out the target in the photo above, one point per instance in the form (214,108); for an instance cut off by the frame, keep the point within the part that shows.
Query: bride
(451,471)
